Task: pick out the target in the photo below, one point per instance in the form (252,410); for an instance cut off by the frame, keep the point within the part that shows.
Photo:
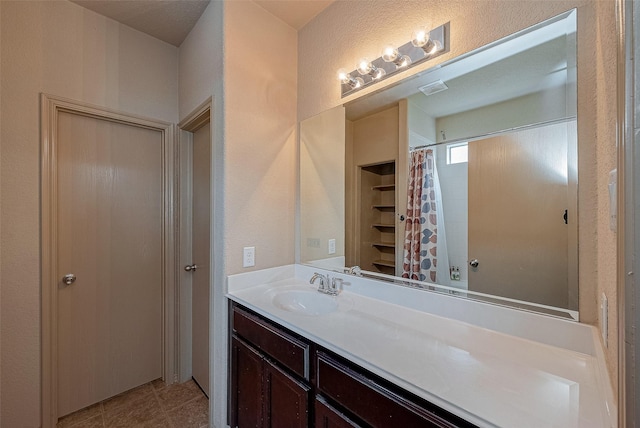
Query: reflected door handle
(69,279)
(474,263)
(190,268)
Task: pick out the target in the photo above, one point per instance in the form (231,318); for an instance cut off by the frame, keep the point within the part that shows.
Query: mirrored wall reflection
(464,176)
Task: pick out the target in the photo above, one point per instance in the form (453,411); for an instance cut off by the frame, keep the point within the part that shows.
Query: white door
(109,236)
(201,210)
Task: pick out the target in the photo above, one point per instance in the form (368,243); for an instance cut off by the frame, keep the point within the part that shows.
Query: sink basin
(305,302)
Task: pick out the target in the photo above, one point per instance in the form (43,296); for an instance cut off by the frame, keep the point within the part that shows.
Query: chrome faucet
(327,285)
(324,281)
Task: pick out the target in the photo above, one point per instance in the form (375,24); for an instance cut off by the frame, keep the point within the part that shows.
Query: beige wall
(200,63)
(245,59)
(260,136)
(323,49)
(62,49)
(322,200)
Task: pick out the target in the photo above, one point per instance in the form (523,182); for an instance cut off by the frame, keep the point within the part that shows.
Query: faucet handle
(355,270)
(336,286)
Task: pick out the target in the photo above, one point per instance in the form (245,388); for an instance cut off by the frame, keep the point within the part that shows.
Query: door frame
(185,129)
(51,106)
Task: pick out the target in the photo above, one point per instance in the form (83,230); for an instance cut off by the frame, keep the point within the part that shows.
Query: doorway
(107,258)
(195,278)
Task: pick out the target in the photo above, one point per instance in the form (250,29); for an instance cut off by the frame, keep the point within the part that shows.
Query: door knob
(69,279)
(474,263)
(190,268)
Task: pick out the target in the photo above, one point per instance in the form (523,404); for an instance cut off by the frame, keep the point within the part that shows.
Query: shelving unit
(384,263)
(378,217)
(384,226)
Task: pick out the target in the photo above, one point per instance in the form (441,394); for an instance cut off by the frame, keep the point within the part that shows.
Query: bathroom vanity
(295,374)
(383,355)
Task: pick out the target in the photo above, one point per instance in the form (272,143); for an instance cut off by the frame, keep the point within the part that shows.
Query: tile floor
(181,405)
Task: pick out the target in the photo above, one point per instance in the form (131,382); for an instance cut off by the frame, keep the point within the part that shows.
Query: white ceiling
(167,20)
(172,20)
(296,13)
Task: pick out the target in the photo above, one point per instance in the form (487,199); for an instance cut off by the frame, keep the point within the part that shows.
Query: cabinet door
(328,417)
(246,386)
(286,400)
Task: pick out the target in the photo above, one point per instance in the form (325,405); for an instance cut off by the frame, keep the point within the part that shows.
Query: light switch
(332,246)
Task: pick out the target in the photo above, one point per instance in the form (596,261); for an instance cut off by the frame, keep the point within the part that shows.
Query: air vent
(433,87)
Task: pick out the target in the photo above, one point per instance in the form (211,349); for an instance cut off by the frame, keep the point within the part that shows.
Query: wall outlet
(313,242)
(332,246)
(249,256)
(604,319)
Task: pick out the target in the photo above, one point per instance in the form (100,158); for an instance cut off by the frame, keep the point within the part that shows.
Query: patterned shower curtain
(421,226)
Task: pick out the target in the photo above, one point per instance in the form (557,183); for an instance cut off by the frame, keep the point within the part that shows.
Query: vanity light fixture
(424,45)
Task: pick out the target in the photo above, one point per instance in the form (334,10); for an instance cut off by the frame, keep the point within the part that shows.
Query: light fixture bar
(417,55)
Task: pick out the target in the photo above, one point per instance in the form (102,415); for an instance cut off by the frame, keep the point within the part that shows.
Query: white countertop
(497,375)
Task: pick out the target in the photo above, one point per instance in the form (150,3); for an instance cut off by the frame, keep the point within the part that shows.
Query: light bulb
(420,37)
(364,66)
(343,76)
(432,47)
(378,73)
(390,54)
(347,79)
(403,61)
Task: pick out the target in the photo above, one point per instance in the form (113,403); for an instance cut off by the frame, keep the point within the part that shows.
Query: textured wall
(62,49)
(260,136)
(349,30)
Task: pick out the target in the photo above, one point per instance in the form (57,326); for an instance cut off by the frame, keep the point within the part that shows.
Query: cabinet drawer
(288,350)
(373,403)
(328,417)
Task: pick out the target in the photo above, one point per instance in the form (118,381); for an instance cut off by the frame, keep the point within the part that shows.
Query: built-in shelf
(386,263)
(378,224)
(384,226)
(384,187)
(384,244)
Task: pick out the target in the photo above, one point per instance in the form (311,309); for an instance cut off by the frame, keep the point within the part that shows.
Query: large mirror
(464,175)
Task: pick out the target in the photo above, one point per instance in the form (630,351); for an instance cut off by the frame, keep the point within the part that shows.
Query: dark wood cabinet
(269,372)
(286,400)
(263,395)
(374,401)
(274,374)
(329,417)
(246,380)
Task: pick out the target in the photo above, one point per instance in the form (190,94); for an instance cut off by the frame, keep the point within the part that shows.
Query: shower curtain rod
(490,134)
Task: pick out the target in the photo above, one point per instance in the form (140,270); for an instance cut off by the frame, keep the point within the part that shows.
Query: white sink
(305,302)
